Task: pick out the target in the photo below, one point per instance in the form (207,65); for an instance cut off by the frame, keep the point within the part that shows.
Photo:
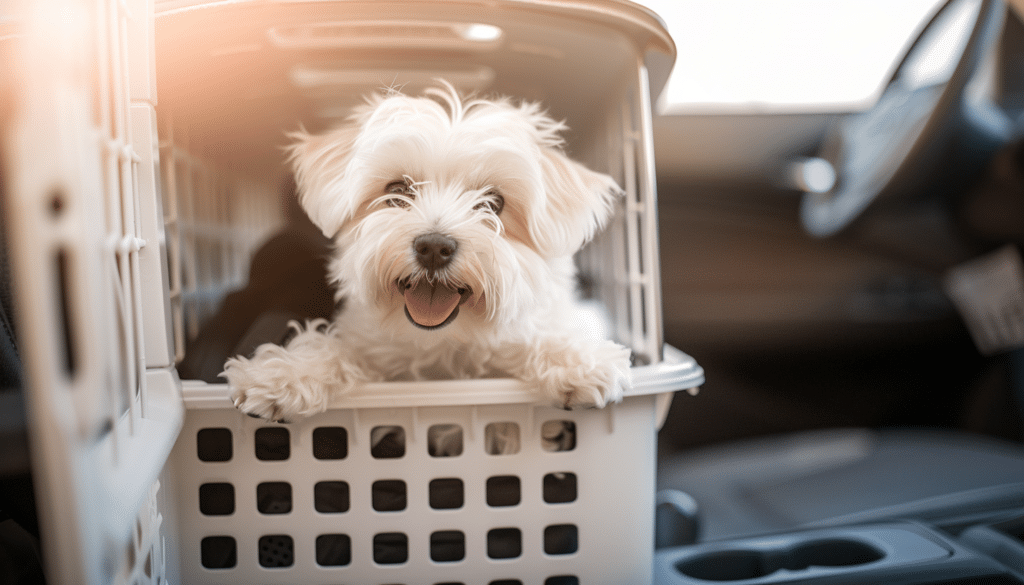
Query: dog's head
(439,203)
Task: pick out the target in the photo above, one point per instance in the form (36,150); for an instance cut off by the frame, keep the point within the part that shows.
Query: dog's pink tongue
(430,305)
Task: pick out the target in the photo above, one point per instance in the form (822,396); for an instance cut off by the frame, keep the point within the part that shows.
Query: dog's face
(442,207)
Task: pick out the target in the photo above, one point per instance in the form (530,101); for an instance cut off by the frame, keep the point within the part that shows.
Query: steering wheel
(883,153)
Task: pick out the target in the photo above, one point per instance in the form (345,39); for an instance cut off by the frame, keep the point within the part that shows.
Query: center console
(899,552)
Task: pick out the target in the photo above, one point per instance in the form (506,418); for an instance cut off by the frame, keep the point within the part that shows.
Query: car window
(749,56)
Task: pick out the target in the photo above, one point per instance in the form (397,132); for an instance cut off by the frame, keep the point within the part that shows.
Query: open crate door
(85,234)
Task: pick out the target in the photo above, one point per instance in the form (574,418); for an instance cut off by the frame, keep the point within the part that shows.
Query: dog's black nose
(434,251)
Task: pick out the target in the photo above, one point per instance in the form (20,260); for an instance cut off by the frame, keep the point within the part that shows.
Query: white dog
(455,223)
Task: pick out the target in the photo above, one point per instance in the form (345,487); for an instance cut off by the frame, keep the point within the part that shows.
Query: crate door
(83,226)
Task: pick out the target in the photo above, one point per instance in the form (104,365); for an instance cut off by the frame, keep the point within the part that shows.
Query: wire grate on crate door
(80,187)
(213,219)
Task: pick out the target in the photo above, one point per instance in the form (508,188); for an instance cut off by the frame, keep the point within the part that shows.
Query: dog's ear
(320,163)
(577,205)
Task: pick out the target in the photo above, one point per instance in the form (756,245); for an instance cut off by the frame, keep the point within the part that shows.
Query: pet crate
(130,220)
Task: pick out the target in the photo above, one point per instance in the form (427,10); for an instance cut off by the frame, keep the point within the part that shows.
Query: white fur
(517,265)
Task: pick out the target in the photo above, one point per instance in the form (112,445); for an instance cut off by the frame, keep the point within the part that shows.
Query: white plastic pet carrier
(130,218)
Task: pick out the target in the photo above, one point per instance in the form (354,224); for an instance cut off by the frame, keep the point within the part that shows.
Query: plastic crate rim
(678,371)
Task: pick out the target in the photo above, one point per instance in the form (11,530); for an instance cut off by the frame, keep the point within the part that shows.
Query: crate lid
(244,72)
(639,23)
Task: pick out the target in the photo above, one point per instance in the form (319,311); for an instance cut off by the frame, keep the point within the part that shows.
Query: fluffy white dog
(455,222)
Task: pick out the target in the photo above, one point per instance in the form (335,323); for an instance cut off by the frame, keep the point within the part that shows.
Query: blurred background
(797,331)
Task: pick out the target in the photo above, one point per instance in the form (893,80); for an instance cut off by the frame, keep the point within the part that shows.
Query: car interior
(850,378)
(847,273)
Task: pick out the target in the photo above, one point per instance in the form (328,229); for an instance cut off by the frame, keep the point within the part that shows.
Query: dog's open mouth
(431,305)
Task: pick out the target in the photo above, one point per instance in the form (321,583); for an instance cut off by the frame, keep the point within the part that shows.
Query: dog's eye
(398,188)
(493,201)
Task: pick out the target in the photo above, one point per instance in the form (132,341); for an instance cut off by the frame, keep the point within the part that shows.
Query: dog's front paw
(582,377)
(598,391)
(262,388)
(287,383)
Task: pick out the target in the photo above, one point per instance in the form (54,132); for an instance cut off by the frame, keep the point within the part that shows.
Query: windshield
(752,56)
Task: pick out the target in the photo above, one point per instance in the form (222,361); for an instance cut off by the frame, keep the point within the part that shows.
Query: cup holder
(734,565)
(730,565)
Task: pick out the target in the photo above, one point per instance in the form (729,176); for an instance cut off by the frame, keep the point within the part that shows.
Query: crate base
(322,501)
